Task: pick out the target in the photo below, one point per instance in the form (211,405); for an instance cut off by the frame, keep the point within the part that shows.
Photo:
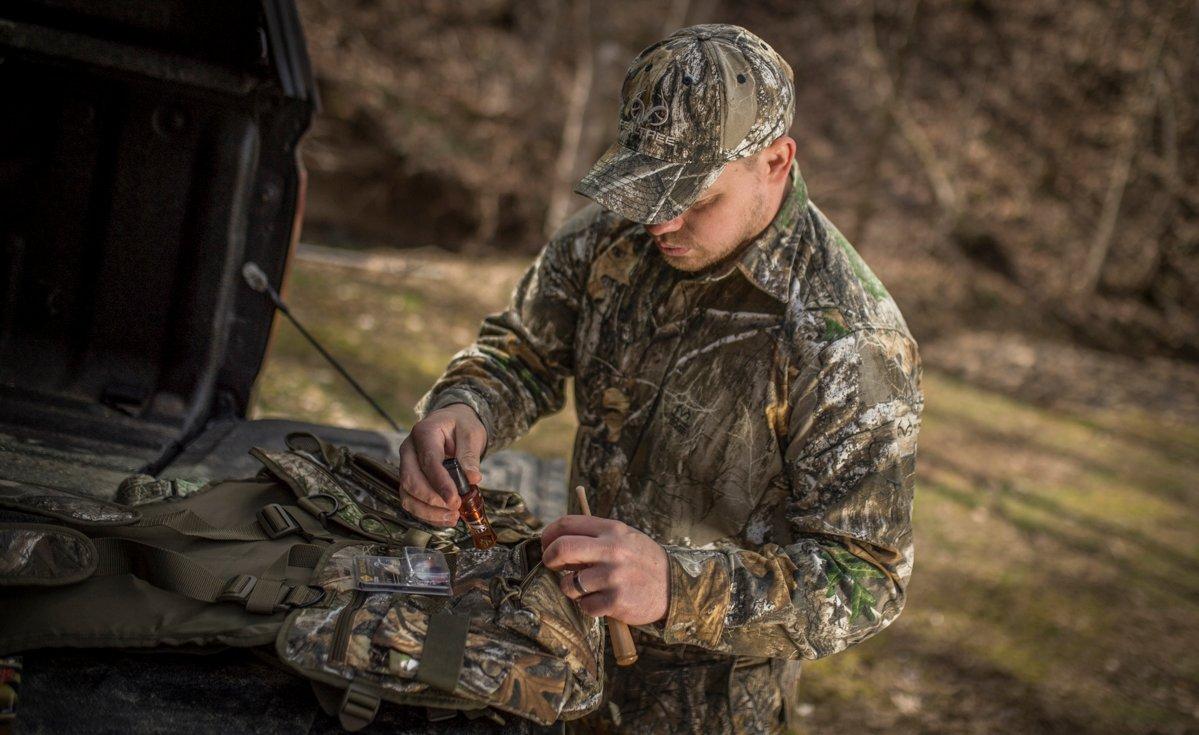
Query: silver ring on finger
(579,585)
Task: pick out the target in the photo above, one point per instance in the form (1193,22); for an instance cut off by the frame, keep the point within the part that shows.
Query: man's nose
(664,227)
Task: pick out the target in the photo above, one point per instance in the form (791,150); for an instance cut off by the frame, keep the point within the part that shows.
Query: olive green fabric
(443,650)
(247,562)
(128,610)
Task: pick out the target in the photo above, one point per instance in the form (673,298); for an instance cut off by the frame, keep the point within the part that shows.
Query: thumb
(467,445)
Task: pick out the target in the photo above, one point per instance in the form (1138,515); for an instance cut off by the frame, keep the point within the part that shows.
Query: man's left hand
(622,571)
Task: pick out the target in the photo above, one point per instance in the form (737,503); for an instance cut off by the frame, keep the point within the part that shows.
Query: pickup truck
(148,151)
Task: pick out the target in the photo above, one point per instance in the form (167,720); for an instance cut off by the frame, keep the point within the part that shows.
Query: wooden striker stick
(622,640)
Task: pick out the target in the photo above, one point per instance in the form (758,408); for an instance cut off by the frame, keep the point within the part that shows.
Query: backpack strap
(443,650)
(271,522)
(169,570)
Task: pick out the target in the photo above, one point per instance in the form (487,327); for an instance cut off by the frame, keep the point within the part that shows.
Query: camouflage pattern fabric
(142,489)
(38,554)
(704,96)
(56,503)
(688,690)
(384,521)
(758,418)
(529,651)
(308,479)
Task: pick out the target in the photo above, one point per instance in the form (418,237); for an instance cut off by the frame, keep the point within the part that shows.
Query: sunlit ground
(1057,569)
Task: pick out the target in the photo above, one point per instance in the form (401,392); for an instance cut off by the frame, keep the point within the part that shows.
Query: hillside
(1022,167)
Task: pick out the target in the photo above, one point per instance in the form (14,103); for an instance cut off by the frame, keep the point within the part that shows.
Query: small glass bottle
(473,514)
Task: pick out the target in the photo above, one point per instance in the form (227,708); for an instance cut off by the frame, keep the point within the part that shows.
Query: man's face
(727,214)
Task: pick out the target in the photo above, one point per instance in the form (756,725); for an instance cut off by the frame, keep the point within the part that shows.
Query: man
(747,391)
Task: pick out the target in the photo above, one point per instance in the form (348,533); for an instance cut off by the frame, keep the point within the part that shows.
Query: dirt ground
(1056,586)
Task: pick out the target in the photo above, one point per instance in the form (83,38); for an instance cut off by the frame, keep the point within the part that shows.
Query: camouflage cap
(704,96)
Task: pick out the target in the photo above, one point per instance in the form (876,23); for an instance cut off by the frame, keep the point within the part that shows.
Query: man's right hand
(426,490)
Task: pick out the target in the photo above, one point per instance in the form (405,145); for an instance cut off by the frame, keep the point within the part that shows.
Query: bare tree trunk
(572,125)
(883,123)
(1169,175)
(489,221)
(1144,101)
(896,109)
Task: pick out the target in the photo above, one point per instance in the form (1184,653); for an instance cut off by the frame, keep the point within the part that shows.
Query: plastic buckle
(277,522)
(359,705)
(438,714)
(238,589)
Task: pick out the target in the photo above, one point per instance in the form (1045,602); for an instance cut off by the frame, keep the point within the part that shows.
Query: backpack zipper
(341,631)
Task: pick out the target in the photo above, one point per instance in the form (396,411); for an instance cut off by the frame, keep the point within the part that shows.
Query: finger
(433,514)
(575,550)
(413,483)
(467,445)
(576,526)
(430,453)
(599,604)
(592,579)
(566,584)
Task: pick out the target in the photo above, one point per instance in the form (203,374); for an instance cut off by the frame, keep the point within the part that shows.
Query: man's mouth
(670,249)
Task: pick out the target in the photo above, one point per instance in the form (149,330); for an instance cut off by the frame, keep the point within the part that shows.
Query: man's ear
(778,157)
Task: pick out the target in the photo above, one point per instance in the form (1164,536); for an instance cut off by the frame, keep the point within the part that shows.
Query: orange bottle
(473,514)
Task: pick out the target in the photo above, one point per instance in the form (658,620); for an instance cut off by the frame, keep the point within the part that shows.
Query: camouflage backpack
(268,559)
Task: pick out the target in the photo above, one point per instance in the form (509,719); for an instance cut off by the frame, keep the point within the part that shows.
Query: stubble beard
(751,226)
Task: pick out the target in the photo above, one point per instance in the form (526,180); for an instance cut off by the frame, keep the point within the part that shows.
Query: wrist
(479,410)
(660,622)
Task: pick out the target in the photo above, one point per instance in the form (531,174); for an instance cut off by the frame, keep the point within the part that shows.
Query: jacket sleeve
(515,371)
(854,405)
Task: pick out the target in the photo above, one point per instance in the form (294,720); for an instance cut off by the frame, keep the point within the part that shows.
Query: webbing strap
(304,556)
(445,644)
(272,521)
(174,572)
(359,705)
(162,568)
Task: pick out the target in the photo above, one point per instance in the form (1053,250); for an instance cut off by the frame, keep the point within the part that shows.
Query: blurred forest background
(1030,166)
(1024,178)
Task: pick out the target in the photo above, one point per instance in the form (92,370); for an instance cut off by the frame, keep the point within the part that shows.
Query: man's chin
(681,264)
(683,261)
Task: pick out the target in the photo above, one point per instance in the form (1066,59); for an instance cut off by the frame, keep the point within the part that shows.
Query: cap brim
(643,188)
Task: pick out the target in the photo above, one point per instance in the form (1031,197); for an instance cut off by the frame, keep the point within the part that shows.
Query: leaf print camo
(758,419)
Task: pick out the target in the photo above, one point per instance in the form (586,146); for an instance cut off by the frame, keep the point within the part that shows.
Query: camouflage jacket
(758,419)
